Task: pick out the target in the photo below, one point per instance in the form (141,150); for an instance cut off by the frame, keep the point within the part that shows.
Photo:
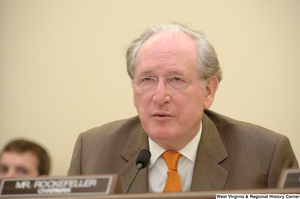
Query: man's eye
(177,79)
(3,170)
(147,79)
(22,171)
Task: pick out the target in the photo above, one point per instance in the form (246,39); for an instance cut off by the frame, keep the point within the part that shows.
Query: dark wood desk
(184,195)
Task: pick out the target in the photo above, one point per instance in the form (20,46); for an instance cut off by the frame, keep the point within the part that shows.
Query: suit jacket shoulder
(107,148)
(256,155)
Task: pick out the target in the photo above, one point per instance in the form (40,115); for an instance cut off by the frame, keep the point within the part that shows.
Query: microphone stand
(138,168)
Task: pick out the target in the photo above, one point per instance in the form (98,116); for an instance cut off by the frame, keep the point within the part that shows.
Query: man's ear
(211,89)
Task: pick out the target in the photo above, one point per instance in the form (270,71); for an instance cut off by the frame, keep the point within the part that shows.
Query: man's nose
(162,92)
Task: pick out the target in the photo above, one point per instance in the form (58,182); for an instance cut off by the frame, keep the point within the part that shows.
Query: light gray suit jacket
(231,154)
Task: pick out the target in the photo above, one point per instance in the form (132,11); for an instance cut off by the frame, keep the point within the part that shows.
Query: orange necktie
(173,181)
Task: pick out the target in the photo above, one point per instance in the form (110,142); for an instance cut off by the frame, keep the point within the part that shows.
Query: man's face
(170,117)
(18,165)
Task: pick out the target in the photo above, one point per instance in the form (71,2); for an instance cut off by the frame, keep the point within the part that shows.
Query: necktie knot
(171,159)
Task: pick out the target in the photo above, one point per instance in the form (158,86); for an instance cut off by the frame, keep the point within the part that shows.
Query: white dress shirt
(185,167)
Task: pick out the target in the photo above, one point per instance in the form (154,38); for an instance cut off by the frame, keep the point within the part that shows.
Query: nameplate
(71,185)
(289,178)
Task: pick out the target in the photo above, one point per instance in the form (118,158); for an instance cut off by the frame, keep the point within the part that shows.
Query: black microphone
(141,162)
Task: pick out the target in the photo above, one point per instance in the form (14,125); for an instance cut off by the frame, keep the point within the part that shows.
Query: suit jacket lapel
(136,142)
(208,173)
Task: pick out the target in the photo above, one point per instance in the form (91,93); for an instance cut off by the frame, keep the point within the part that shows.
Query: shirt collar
(189,151)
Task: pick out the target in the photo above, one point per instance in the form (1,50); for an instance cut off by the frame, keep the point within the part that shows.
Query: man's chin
(162,136)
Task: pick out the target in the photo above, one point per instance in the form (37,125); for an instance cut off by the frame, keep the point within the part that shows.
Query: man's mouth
(161,115)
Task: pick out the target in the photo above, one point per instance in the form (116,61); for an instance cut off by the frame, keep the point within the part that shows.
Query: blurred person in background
(23,159)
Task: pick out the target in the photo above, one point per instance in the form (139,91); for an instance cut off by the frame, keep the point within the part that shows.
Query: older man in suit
(175,75)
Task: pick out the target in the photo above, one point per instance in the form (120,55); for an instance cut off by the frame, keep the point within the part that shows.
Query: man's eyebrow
(22,167)
(173,72)
(176,72)
(3,165)
(145,72)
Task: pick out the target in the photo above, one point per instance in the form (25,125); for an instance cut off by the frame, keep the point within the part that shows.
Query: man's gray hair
(208,61)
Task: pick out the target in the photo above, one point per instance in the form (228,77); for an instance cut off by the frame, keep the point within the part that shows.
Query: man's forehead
(18,156)
(167,53)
